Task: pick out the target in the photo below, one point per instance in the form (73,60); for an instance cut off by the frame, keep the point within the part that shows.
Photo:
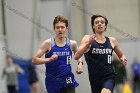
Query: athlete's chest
(61,51)
(97,48)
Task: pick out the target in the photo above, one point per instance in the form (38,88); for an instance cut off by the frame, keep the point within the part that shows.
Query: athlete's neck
(60,40)
(100,37)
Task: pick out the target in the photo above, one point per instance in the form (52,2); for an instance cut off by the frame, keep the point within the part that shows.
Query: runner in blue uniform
(97,50)
(58,54)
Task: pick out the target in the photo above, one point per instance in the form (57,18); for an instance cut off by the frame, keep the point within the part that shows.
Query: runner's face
(60,29)
(99,25)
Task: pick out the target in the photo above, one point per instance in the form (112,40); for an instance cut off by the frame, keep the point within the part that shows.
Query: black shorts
(70,89)
(32,74)
(97,86)
(12,88)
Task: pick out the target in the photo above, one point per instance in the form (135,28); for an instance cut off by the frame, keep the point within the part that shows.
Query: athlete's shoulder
(112,39)
(46,43)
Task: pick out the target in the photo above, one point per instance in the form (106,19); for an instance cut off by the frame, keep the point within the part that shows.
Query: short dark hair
(96,16)
(60,19)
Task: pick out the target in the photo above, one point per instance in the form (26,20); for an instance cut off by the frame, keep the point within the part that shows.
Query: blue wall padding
(23,79)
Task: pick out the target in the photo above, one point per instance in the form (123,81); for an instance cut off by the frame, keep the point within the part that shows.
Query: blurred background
(25,24)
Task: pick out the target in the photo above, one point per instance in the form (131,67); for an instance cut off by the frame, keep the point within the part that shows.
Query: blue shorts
(97,86)
(55,84)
